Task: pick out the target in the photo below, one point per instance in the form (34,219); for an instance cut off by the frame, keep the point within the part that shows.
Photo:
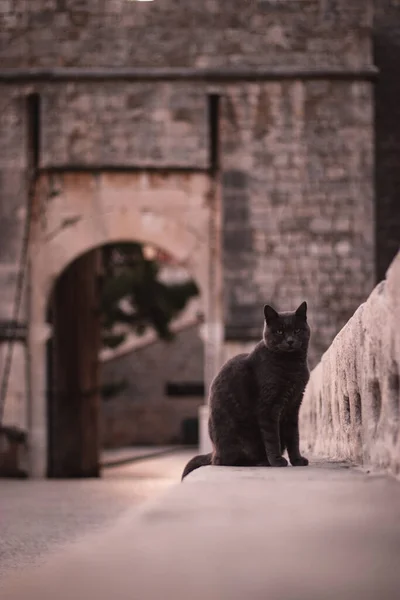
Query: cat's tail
(202,460)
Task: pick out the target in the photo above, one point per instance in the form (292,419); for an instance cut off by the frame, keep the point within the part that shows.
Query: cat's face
(286,331)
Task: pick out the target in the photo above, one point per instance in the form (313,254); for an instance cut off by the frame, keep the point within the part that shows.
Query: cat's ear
(302,311)
(269,313)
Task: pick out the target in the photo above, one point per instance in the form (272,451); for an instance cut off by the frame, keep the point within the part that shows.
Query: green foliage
(148,302)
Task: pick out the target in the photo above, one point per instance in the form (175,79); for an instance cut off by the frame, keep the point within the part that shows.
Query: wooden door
(73,372)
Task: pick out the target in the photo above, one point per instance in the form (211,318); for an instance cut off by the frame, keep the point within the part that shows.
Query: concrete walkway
(322,532)
(115,457)
(38,518)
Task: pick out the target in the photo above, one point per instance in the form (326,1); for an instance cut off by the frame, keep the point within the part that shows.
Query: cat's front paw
(300,461)
(279,461)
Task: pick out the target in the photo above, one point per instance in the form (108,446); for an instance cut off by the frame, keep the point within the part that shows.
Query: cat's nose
(290,341)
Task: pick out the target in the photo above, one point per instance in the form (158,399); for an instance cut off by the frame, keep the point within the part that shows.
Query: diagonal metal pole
(18,296)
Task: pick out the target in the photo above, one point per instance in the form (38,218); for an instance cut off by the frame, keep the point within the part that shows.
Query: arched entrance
(75,213)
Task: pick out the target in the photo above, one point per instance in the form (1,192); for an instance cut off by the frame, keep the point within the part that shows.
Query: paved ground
(120,456)
(37,517)
(325,532)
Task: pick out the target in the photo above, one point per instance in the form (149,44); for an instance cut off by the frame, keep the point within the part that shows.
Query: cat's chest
(282,384)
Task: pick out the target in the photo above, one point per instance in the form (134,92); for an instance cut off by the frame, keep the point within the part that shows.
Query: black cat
(256,397)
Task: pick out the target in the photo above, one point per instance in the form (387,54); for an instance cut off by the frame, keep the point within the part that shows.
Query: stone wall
(13,198)
(297,160)
(184,33)
(143,413)
(13,192)
(298,203)
(81,211)
(282,163)
(129,124)
(351,408)
(296,153)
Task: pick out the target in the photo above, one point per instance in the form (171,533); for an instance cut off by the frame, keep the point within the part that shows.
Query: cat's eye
(279,332)
(297,330)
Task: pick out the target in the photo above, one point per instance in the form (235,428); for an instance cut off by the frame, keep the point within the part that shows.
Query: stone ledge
(351,408)
(318,533)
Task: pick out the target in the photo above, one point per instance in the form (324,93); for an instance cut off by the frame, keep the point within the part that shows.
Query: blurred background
(166,169)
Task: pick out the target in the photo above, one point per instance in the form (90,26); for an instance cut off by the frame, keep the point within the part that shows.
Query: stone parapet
(351,408)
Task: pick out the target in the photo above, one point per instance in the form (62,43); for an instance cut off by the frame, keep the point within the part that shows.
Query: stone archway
(77,212)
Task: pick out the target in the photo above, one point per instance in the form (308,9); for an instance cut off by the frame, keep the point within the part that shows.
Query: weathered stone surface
(87,210)
(125,124)
(143,413)
(185,33)
(159,422)
(13,190)
(315,533)
(268,129)
(298,206)
(351,408)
